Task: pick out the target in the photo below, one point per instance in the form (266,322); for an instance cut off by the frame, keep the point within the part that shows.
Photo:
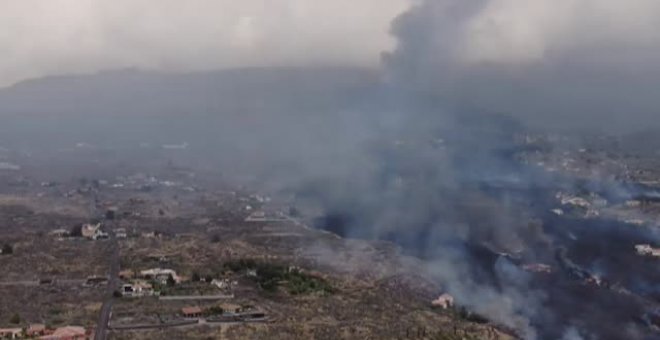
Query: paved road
(113,284)
(195,297)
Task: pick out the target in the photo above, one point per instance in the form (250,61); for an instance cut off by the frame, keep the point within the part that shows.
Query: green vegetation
(196,277)
(271,276)
(301,283)
(170,281)
(15,319)
(7,249)
(215,310)
(55,311)
(185,288)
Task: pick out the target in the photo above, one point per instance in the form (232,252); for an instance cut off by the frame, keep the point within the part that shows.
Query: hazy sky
(39,37)
(505,55)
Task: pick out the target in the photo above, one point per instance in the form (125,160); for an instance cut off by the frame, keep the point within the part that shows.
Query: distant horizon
(147,71)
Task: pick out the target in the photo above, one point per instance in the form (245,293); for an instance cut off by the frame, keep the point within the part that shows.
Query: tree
(76,231)
(215,238)
(7,249)
(214,310)
(15,319)
(170,281)
(196,277)
(117,294)
(208,278)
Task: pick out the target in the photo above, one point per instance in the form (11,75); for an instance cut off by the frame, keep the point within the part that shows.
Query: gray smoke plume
(418,159)
(557,64)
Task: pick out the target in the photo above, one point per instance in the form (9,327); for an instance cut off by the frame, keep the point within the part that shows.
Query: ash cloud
(560,64)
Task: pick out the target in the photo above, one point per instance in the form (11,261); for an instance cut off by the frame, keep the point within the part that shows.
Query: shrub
(170,281)
(76,231)
(215,310)
(7,249)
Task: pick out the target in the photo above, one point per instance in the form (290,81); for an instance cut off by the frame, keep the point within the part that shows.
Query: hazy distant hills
(265,114)
(230,91)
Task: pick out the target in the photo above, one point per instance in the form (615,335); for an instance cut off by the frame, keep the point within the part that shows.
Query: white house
(444,301)
(161,274)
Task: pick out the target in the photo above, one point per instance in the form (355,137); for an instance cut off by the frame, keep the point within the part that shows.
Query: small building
(647,250)
(257,216)
(90,230)
(93,232)
(221,283)
(11,333)
(191,312)
(160,275)
(230,308)
(576,201)
(121,233)
(137,288)
(444,301)
(35,330)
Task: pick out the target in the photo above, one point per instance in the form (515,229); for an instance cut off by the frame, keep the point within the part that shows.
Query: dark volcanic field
(579,251)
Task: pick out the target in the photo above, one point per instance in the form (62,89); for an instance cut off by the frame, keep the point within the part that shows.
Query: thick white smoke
(554,62)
